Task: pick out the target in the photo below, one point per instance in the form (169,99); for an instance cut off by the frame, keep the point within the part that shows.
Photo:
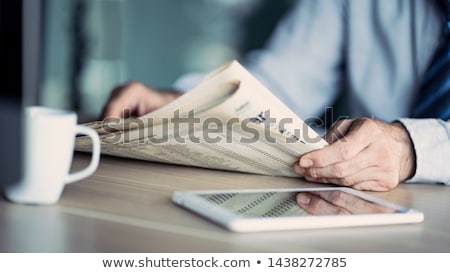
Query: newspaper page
(229,121)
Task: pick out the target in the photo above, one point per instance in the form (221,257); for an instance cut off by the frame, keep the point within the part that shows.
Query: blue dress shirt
(375,51)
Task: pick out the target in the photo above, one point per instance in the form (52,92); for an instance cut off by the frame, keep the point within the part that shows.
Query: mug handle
(82,130)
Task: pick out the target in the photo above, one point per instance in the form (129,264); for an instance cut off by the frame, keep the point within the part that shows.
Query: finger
(356,139)
(376,185)
(370,179)
(117,109)
(315,205)
(107,111)
(116,106)
(125,100)
(361,161)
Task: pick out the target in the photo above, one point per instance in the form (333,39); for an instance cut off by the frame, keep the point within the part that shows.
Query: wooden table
(125,207)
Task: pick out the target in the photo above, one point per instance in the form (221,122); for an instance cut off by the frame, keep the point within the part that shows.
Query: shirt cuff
(431,140)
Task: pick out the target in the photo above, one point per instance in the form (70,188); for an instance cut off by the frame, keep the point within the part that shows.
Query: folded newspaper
(229,121)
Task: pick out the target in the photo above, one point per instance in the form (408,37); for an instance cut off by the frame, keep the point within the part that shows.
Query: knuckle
(363,187)
(345,121)
(338,130)
(345,152)
(383,187)
(373,127)
(391,182)
(367,121)
(319,162)
(313,172)
(340,171)
(346,181)
(131,87)
(337,125)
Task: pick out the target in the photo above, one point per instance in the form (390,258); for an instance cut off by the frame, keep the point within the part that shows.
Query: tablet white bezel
(235,222)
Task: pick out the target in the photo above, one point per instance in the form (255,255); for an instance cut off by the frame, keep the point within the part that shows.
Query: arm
(303,59)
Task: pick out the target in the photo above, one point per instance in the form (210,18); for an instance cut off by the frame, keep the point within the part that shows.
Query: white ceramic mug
(49,141)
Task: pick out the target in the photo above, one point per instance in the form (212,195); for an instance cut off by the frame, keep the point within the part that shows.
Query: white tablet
(288,209)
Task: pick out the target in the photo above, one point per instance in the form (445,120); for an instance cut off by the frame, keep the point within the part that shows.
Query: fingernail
(306,163)
(299,169)
(303,199)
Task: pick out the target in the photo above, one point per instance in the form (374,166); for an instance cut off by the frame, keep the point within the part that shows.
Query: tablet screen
(282,204)
(288,209)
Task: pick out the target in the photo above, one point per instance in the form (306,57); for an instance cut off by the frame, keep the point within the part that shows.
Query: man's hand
(365,154)
(135,99)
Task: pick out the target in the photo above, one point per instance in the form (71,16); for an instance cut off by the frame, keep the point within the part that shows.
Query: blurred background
(91,46)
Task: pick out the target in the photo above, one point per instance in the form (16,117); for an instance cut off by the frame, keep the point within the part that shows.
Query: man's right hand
(135,99)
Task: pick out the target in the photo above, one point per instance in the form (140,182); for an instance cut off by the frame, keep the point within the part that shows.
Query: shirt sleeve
(431,140)
(302,62)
